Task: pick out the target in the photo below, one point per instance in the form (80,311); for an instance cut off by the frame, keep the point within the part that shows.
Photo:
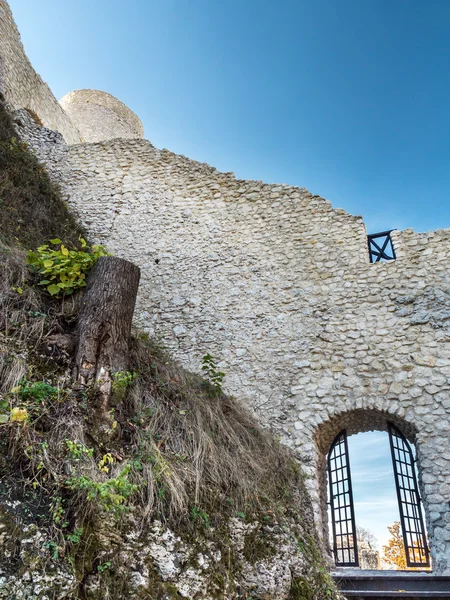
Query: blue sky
(373,483)
(350,99)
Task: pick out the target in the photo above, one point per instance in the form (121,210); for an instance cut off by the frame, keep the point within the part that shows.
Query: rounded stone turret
(99,116)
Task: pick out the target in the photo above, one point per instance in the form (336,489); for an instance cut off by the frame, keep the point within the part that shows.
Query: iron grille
(341,500)
(380,246)
(414,538)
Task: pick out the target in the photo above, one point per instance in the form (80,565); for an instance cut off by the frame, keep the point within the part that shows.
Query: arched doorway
(342,508)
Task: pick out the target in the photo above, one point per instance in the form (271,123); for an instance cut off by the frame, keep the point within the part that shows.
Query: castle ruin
(271,279)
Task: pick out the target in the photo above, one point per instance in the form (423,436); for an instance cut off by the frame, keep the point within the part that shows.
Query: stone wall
(22,87)
(46,144)
(277,284)
(99,116)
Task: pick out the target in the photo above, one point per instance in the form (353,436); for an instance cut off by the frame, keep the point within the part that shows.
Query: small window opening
(381,248)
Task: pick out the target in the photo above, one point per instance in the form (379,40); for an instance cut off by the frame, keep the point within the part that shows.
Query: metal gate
(413,529)
(345,545)
(341,499)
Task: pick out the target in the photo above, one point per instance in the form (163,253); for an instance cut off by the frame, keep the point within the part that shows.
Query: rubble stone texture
(278,284)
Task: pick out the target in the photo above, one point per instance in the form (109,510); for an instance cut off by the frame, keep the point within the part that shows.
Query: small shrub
(58,512)
(110,495)
(18,415)
(52,547)
(34,391)
(199,514)
(107,459)
(63,270)
(210,372)
(75,536)
(102,567)
(121,381)
(78,451)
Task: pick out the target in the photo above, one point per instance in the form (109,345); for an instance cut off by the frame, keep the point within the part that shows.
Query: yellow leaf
(48,264)
(18,415)
(64,250)
(15,390)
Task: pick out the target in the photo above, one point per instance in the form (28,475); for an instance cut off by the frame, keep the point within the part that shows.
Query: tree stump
(104,324)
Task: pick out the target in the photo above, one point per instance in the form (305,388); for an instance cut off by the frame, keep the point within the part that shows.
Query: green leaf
(55,241)
(44,282)
(53,289)
(64,250)
(48,264)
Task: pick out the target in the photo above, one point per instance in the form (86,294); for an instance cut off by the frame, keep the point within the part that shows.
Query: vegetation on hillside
(177,448)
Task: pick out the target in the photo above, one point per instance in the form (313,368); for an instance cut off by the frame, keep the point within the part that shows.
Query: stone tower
(98,116)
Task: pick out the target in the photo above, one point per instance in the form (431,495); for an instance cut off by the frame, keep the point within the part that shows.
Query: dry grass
(200,447)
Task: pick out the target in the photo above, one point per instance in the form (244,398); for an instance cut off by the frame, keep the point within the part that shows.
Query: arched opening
(365,481)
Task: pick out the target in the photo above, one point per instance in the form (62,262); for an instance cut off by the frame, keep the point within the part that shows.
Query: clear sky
(373,483)
(349,99)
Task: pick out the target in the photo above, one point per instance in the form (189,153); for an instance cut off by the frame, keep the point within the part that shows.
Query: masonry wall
(22,87)
(278,285)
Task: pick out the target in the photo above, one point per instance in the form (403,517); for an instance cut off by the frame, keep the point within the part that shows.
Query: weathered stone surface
(149,561)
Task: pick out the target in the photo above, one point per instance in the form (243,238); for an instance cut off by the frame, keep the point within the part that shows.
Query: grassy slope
(180,450)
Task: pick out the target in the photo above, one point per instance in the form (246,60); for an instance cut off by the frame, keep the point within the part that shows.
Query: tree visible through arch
(345,545)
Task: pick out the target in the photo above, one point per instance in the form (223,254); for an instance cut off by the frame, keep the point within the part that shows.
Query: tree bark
(104,324)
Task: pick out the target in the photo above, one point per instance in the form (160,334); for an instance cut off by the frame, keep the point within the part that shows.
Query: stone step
(357,584)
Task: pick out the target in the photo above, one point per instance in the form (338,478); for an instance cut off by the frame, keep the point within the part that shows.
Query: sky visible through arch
(373,483)
(349,99)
